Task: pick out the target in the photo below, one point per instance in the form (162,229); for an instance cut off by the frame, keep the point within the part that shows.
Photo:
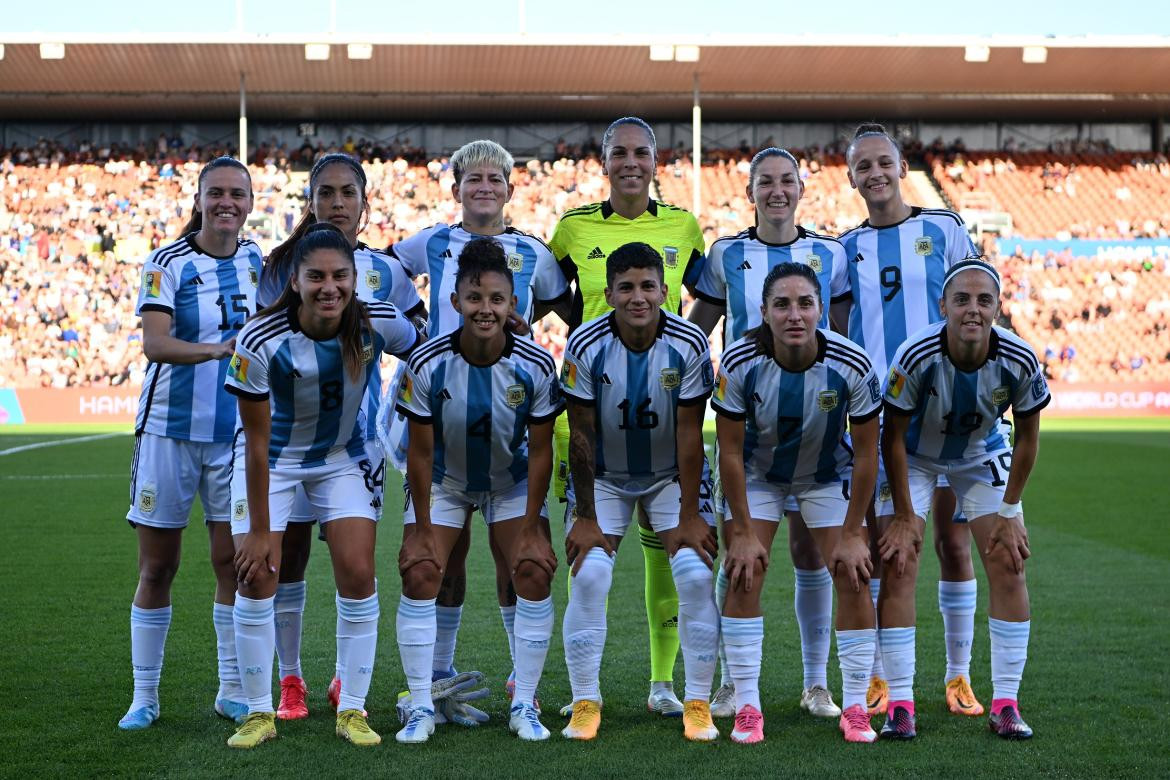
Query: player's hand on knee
(744,553)
(851,560)
(254,556)
(418,547)
(583,537)
(902,542)
(533,546)
(692,532)
(1010,534)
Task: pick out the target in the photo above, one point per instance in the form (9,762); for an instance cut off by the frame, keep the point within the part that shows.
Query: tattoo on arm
(582,468)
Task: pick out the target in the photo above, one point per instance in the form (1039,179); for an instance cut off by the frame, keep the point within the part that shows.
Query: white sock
(534,625)
(720,599)
(447,621)
(897,647)
(878,670)
(415,627)
(698,622)
(1009,653)
(814,615)
(743,640)
(148,637)
(225,653)
(357,619)
(584,625)
(255,647)
(956,602)
(855,652)
(508,615)
(290,609)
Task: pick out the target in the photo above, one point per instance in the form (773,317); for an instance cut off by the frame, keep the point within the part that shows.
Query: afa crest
(374,280)
(240,510)
(669,378)
(147,500)
(884,492)
(813,261)
(923,246)
(827,400)
(670,256)
(515,262)
(367,352)
(515,395)
(1000,395)
(253,277)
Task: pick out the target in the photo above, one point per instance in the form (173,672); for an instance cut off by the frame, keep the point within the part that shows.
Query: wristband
(1010,510)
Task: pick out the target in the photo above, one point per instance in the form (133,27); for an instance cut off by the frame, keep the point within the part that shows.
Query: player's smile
(482,192)
(325,282)
(225,198)
(775,190)
(630,163)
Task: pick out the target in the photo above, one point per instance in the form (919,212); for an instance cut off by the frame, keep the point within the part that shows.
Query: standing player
(897,260)
(337,195)
(637,380)
(583,239)
(729,287)
(196,294)
(949,386)
(481,404)
(784,397)
(482,187)
(302,371)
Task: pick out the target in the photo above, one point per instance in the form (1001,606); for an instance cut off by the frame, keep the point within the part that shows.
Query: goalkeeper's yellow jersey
(585,236)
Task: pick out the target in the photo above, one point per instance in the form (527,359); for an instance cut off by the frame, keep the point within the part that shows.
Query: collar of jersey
(755,236)
(607,210)
(509,343)
(914,212)
(295,324)
(992,351)
(822,344)
(657,333)
(191,242)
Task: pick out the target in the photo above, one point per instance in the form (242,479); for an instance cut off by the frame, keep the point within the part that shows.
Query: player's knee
(421,581)
(294,559)
(158,572)
(453,587)
(1001,570)
(692,578)
(593,579)
(532,580)
(804,552)
(954,548)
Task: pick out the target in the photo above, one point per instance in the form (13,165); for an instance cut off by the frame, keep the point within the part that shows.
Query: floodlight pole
(696,151)
(243,122)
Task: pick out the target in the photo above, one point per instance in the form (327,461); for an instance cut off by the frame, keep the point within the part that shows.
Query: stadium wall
(120,405)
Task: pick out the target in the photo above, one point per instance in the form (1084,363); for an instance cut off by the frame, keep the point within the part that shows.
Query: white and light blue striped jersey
(380,277)
(737,265)
(209,298)
(315,402)
(794,421)
(896,277)
(435,252)
(480,414)
(635,395)
(956,415)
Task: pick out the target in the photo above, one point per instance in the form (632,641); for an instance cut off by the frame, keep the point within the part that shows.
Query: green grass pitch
(1095,690)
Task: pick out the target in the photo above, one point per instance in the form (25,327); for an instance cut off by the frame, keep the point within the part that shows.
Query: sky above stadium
(609,17)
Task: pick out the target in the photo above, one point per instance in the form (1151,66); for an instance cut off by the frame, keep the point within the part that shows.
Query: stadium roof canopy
(555,78)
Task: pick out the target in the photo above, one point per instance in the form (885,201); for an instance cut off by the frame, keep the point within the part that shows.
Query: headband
(976,263)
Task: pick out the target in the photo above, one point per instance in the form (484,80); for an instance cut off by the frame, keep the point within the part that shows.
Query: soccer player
(482,171)
(302,369)
(637,380)
(337,195)
(729,287)
(481,404)
(196,294)
(785,394)
(949,386)
(897,260)
(582,241)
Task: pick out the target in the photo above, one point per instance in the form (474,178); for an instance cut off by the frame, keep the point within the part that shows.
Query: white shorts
(821,506)
(373,468)
(451,508)
(333,491)
(979,483)
(615,505)
(165,475)
(884,500)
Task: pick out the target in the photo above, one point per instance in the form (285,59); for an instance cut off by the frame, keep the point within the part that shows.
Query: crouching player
(785,393)
(637,380)
(301,371)
(949,387)
(481,405)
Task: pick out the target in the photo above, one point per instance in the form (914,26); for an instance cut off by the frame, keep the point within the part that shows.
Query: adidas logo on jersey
(605,379)
(294,374)
(744,266)
(446,253)
(445,394)
(858,258)
(197,279)
(596,254)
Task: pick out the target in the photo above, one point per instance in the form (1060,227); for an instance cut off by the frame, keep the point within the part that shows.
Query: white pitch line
(42,444)
(29,477)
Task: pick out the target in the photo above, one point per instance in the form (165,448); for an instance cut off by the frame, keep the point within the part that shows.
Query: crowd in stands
(76,222)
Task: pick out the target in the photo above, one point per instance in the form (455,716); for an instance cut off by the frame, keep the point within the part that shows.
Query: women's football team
(263,396)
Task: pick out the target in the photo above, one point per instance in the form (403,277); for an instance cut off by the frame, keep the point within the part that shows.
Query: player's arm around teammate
(637,379)
(481,404)
(196,294)
(948,388)
(796,387)
(302,371)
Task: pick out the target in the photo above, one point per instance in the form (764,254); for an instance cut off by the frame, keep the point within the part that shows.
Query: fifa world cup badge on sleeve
(875,390)
(151,282)
(238,368)
(1039,388)
(406,390)
(708,374)
(569,375)
(896,383)
(721,388)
